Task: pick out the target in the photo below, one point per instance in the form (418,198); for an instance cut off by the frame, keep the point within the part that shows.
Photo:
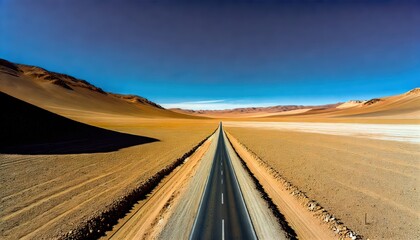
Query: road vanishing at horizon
(222,212)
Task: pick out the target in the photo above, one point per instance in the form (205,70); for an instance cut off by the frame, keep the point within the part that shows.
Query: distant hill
(80,100)
(403,106)
(73,97)
(252,111)
(351,103)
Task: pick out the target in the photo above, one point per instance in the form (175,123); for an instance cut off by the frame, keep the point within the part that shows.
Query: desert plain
(369,184)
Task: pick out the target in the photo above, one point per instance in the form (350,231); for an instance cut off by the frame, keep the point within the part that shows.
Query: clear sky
(222,54)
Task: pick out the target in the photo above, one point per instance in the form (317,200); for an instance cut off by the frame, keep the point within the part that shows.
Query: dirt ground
(66,189)
(350,177)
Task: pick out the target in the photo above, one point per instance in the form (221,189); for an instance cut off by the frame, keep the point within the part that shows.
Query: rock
(413,91)
(312,205)
(372,101)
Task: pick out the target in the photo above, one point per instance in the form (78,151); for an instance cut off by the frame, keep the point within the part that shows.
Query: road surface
(222,213)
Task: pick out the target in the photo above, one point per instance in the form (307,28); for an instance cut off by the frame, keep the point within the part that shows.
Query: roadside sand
(348,176)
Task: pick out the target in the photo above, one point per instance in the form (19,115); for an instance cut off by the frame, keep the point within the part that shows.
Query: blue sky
(222,54)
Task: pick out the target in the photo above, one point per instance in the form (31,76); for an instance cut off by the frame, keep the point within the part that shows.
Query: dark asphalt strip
(222,213)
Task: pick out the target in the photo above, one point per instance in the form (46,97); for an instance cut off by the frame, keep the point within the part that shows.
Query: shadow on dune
(28,129)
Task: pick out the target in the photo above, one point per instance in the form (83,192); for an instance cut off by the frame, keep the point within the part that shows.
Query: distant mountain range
(271,109)
(76,98)
(404,106)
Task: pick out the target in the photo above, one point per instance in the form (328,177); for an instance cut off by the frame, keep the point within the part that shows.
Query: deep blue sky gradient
(242,52)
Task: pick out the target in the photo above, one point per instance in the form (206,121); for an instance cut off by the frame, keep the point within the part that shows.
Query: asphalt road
(222,213)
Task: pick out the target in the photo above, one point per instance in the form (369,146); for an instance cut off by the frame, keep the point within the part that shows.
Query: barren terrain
(350,177)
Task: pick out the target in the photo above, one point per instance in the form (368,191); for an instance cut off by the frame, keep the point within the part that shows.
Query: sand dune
(404,106)
(74,98)
(351,103)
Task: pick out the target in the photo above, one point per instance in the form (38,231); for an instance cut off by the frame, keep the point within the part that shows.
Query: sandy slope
(400,107)
(351,103)
(348,176)
(74,98)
